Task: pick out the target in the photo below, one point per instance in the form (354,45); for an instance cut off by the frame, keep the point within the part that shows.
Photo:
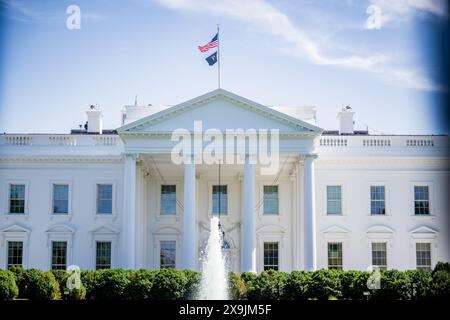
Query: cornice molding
(62,158)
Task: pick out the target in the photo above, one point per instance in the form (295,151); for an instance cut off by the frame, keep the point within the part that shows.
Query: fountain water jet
(214,284)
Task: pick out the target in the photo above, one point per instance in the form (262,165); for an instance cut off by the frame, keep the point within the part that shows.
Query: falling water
(214,285)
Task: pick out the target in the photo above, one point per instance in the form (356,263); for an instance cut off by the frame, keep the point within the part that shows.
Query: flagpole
(218,56)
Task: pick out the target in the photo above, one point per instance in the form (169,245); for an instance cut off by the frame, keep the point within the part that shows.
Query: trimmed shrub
(440,284)
(39,285)
(169,284)
(354,284)
(269,285)
(442,266)
(8,286)
(325,284)
(193,283)
(237,287)
(419,283)
(140,285)
(109,284)
(394,286)
(297,286)
(89,281)
(61,277)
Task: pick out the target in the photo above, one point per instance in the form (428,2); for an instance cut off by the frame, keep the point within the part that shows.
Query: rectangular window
(334,200)
(104,198)
(219,195)
(421,200)
(168,199)
(103,255)
(377,200)
(270,199)
(335,255)
(15,253)
(60,199)
(271,258)
(59,255)
(167,254)
(17,198)
(379,257)
(423,256)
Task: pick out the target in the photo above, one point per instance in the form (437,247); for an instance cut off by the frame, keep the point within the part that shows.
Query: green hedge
(171,284)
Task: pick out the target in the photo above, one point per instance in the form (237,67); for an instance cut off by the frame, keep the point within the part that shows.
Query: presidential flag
(212,44)
(212,59)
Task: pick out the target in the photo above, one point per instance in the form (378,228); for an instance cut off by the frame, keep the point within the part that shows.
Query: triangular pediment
(423,230)
(14,229)
(335,230)
(104,230)
(60,229)
(379,230)
(219,109)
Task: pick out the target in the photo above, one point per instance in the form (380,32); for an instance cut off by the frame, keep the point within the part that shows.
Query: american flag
(212,44)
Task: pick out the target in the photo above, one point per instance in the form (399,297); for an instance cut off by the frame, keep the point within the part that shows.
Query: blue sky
(285,52)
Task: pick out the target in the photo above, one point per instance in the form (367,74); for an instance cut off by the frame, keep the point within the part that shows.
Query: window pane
(104,198)
(423,256)
(271,256)
(220,194)
(270,199)
(377,200)
(103,255)
(17,198)
(167,254)
(335,255)
(15,253)
(60,198)
(334,200)
(168,199)
(421,200)
(59,255)
(379,257)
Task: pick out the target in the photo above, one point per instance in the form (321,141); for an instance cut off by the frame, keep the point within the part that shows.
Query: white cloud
(270,20)
(405,10)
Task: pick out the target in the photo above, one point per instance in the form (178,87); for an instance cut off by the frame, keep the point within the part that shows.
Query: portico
(148,171)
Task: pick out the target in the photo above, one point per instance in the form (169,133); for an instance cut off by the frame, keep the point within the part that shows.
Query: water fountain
(214,284)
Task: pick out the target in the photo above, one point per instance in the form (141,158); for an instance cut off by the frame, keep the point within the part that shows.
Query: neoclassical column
(189,260)
(129,212)
(309,212)
(249,236)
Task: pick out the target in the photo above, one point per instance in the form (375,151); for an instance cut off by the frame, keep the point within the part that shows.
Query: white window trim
(325,198)
(104,234)
(377,234)
(336,234)
(60,233)
(271,233)
(178,210)
(431,199)
(7,193)
(15,233)
(261,185)
(387,199)
(424,234)
(212,183)
(69,197)
(113,214)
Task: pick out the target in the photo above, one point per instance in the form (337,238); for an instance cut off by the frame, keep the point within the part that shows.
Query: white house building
(115,199)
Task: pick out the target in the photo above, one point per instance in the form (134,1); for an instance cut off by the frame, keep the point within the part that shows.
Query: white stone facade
(136,162)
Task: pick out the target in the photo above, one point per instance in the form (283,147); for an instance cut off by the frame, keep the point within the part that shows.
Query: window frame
(430,244)
(278,255)
(386,245)
(430,202)
(51,254)
(161,185)
(8,242)
(160,251)
(340,200)
(377,200)
(341,243)
(69,198)
(110,253)
(264,213)
(178,193)
(107,216)
(211,202)
(14,232)
(8,199)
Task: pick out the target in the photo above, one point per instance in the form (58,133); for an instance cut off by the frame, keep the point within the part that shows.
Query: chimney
(95,120)
(346,123)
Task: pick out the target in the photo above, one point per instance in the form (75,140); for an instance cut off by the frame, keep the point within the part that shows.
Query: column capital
(131,155)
